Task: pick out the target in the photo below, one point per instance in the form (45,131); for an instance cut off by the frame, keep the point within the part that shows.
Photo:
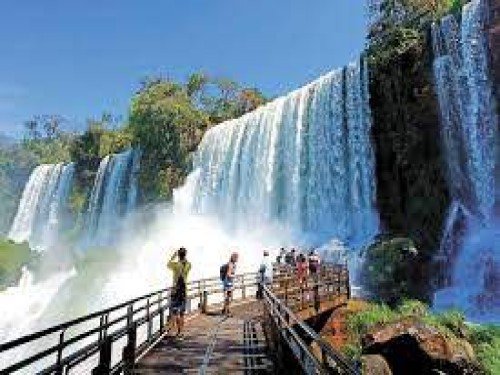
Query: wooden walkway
(213,344)
(132,337)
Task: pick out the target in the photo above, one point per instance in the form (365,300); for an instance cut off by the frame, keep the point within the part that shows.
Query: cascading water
(43,205)
(471,238)
(113,195)
(298,170)
(304,160)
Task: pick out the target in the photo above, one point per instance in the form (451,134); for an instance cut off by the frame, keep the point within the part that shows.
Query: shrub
(486,342)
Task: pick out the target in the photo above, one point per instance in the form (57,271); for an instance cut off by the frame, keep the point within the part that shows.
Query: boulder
(375,365)
(413,347)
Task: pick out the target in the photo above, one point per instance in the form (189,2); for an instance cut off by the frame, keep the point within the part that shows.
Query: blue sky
(81,58)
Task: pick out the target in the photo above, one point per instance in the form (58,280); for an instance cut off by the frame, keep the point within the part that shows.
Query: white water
(113,196)
(470,140)
(303,161)
(296,171)
(23,304)
(43,205)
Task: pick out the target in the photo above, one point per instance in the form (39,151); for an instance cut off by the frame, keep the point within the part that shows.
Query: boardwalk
(133,337)
(213,344)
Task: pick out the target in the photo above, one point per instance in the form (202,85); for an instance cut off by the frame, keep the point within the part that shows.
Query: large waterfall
(471,240)
(43,205)
(304,160)
(113,195)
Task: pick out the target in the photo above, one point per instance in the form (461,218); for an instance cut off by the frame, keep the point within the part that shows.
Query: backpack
(180,287)
(223,271)
(313,263)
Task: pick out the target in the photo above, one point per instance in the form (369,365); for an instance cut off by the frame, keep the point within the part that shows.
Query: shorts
(227,284)
(178,306)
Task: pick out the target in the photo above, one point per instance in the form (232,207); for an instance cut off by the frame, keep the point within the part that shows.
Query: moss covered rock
(388,270)
(12,258)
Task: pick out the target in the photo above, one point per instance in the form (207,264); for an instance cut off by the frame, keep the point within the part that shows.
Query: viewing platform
(274,334)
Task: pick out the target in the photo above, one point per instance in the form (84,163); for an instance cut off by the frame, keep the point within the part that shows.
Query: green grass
(484,339)
(12,257)
(486,342)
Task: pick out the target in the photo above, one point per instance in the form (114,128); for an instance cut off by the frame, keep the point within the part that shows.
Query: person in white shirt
(266,269)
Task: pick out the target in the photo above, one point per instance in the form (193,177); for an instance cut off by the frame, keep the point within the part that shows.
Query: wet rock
(375,365)
(412,347)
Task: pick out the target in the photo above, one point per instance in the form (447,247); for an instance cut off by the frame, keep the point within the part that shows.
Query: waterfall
(304,160)
(43,205)
(470,142)
(113,195)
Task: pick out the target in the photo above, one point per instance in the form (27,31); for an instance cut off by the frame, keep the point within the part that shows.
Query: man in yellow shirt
(180,270)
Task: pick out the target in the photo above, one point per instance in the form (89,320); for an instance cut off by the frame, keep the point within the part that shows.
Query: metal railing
(331,282)
(94,336)
(112,339)
(286,322)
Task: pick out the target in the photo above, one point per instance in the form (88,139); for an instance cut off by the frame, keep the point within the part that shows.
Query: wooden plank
(223,335)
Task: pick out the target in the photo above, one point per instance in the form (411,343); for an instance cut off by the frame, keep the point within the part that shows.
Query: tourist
(302,269)
(228,282)
(180,269)
(291,258)
(281,256)
(314,262)
(266,269)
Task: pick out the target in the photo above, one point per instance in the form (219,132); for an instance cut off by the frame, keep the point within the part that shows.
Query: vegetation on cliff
(412,194)
(389,269)
(12,257)
(444,336)
(15,167)
(167,120)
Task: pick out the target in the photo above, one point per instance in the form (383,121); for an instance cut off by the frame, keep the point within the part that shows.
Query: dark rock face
(494,39)
(412,194)
(494,44)
(410,347)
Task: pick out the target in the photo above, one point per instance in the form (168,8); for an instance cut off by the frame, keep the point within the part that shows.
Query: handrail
(143,311)
(140,311)
(285,320)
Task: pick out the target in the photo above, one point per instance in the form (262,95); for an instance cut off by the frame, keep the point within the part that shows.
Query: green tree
(167,127)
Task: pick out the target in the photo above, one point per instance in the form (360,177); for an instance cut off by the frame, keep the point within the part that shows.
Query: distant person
(314,262)
(281,256)
(265,274)
(266,269)
(302,269)
(291,258)
(180,269)
(228,271)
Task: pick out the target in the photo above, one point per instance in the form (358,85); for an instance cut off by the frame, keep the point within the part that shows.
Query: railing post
(317,302)
(200,294)
(324,357)
(129,349)
(104,365)
(286,291)
(204,302)
(149,321)
(59,369)
(243,290)
(161,312)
